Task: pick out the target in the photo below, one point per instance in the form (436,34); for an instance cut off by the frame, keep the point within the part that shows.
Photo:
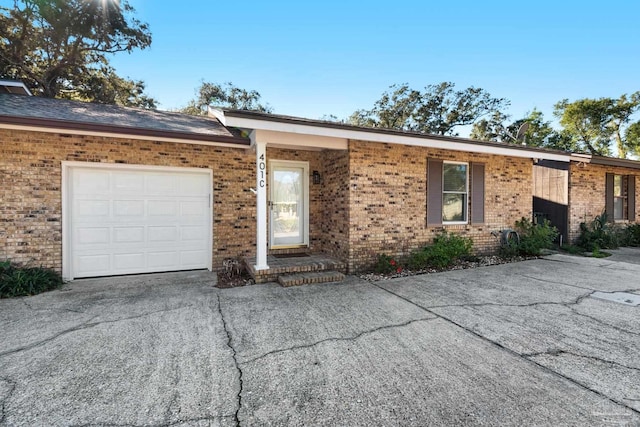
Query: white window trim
(466,211)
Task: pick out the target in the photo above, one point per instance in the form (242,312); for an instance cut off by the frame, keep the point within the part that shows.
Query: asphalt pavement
(526,343)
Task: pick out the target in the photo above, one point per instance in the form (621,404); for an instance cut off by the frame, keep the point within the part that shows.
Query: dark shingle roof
(60,113)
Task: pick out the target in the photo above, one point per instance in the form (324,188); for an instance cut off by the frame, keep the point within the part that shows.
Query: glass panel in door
(287,206)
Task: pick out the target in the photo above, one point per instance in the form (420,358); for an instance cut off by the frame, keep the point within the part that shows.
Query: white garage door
(133,220)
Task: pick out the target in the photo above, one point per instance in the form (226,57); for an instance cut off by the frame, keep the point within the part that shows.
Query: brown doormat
(298,255)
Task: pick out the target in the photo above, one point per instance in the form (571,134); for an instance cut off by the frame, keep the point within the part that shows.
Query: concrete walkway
(516,344)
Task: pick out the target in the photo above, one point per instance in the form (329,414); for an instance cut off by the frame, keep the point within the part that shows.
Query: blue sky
(332,57)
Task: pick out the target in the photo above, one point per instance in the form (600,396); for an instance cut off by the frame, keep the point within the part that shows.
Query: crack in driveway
(558,352)
(513,352)
(85,325)
(172,423)
(12,388)
(352,338)
(234,355)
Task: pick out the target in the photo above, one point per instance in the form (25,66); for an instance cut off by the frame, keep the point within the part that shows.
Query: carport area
(531,343)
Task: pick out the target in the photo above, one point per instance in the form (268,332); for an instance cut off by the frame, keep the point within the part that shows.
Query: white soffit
(388,138)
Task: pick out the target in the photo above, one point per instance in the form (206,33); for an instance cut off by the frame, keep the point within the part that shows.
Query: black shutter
(608,194)
(477,193)
(434,192)
(631,197)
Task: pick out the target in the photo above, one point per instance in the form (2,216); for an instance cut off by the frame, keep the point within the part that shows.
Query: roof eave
(121,131)
(256,120)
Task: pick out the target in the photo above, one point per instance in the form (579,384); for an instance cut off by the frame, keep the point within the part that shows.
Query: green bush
(631,235)
(599,234)
(18,281)
(535,237)
(387,264)
(444,252)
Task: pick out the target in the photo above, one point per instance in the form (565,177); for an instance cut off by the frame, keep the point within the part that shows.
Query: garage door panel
(95,265)
(197,208)
(163,234)
(91,182)
(192,258)
(161,184)
(193,233)
(162,208)
(128,235)
(192,185)
(92,235)
(127,182)
(129,208)
(91,208)
(167,260)
(127,262)
(138,221)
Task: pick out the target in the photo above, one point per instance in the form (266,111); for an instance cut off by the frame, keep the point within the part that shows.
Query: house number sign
(261,171)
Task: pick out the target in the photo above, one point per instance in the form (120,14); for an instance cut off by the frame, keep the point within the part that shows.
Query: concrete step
(297,279)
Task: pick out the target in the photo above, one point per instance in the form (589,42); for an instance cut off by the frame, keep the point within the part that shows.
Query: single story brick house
(97,190)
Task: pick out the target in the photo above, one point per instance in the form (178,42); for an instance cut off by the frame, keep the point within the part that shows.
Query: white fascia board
(293,140)
(119,135)
(349,134)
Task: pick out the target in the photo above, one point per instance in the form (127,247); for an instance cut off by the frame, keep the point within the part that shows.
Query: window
(620,191)
(455,180)
(620,197)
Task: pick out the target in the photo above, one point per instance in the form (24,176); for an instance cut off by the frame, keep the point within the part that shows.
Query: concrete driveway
(526,343)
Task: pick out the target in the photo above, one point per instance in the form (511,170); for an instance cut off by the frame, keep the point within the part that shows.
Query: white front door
(289,203)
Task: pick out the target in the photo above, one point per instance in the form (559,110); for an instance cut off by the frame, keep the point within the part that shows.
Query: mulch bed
(482,261)
(228,280)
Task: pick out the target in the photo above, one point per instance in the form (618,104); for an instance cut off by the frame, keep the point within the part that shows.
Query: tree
(224,96)
(595,124)
(439,109)
(59,48)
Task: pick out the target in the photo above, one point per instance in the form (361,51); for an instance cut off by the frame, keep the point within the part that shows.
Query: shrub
(18,281)
(387,264)
(444,252)
(599,234)
(535,237)
(631,235)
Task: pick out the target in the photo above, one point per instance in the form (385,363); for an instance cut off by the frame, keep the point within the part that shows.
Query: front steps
(298,270)
(298,279)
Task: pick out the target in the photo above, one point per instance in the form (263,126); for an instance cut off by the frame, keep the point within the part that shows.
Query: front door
(289,204)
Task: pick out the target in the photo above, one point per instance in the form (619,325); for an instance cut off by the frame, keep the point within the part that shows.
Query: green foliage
(531,239)
(61,48)
(599,234)
(535,237)
(444,252)
(572,249)
(439,109)
(18,281)
(596,124)
(387,264)
(631,235)
(224,96)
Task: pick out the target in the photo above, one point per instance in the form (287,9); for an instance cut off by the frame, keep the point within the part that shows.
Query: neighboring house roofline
(81,128)
(287,124)
(613,161)
(16,87)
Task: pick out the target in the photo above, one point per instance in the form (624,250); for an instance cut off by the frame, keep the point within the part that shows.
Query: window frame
(465,193)
(624,194)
